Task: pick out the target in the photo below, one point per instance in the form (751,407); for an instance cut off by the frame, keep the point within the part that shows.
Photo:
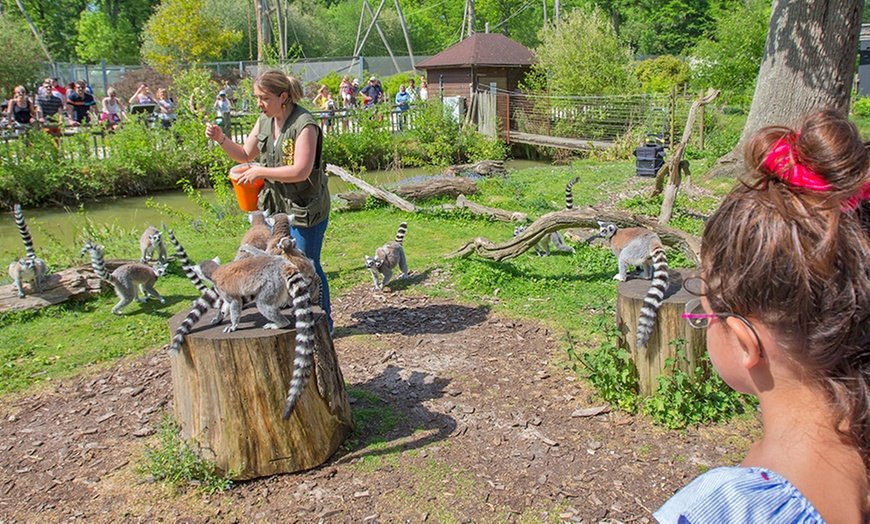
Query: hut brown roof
(481,49)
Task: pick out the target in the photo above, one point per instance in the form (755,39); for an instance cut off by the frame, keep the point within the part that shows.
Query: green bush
(861,107)
(660,75)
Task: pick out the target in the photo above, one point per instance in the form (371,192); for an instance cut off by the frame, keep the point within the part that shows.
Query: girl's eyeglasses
(698,318)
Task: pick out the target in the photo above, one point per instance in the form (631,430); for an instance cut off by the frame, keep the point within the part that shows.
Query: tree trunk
(229,391)
(808,63)
(585,218)
(491,212)
(669,327)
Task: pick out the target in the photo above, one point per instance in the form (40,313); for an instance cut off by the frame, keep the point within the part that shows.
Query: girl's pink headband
(782,163)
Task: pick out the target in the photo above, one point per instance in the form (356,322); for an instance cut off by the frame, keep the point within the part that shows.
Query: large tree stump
(669,328)
(229,393)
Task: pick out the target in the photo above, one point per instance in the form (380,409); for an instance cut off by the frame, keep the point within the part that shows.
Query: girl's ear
(749,344)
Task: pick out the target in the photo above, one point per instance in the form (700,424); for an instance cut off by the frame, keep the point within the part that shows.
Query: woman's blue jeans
(310,241)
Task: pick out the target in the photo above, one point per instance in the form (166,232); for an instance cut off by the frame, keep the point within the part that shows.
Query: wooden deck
(574,144)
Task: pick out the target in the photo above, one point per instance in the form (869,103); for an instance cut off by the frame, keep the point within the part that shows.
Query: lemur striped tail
(400,234)
(97,260)
(569,194)
(202,304)
(187,265)
(655,296)
(23,230)
(301,297)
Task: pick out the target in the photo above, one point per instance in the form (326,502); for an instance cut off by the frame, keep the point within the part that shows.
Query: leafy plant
(687,399)
(175,463)
(610,370)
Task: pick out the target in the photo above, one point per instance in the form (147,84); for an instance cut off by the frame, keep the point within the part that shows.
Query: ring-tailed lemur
(258,234)
(387,257)
(542,248)
(286,247)
(187,265)
(151,242)
(30,268)
(272,281)
(636,246)
(126,278)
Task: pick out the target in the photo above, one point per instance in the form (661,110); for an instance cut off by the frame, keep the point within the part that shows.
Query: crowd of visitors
(55,105)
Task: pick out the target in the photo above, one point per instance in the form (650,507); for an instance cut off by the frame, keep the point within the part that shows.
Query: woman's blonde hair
(276,82)
(110,92)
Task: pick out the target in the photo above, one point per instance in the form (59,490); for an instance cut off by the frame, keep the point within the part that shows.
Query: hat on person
(222,93)
(373,79)
(355,81)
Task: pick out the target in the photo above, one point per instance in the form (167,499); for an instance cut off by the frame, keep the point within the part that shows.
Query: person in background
(412,91)
(354,92)
(81,105)
(57,89)
(165,108)
(288,143)
(230,91)
(373,93)
(112,109)
(222,108)
(142,96)
(345,91)
(785,297)
(20,109)
(403,101)
(49,106)
(424,90)
(319,99)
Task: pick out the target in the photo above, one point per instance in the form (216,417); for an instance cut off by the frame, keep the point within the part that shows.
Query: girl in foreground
(786,300)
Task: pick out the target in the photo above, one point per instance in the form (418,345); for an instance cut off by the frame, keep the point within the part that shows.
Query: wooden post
(670,333)
(229,393)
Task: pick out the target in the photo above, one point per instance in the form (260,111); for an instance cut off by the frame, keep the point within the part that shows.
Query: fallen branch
(376,192)
(578,217)
(437,187)
(492,212)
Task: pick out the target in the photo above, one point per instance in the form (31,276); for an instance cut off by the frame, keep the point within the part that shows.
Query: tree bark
(808,63)
(376,192)
(650,361)
(577,217)
(229,391)
(492,212)
(437,187)
(676,164)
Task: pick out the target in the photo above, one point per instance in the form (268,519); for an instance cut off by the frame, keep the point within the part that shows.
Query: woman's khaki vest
(308,200)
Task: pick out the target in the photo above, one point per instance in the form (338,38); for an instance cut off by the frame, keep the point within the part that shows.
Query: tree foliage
(582,56)
(99,38)
(22,60)
(659,75)
(730,57)
(181,32)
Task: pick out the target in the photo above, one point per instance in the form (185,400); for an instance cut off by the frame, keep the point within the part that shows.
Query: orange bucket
(246,194)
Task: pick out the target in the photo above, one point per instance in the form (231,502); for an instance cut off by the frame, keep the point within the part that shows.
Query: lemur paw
(620,278)
(229,329)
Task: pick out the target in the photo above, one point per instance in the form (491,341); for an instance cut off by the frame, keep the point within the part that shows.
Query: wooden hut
(476,64)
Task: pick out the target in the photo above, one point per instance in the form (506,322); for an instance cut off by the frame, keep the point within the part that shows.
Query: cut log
(229,392)
(75,283)
(482,168)
(492,212)
(577,217)
(376,192)
(669,328)
(437,187)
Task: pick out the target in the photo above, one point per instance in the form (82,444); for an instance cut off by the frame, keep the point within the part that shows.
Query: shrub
(659,75)
(861,107)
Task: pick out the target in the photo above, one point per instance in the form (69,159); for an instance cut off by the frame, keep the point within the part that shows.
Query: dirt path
(465,416)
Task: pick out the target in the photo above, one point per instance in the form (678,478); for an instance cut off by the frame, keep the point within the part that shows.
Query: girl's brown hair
(276,82)
(798,261)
